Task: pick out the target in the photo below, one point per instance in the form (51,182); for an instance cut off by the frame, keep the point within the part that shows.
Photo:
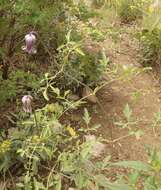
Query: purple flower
(156,4)
(30,40)
(27,101)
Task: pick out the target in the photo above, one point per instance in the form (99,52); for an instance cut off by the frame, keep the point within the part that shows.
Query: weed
(129,123)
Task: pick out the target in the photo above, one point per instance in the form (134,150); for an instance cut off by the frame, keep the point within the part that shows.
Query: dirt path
(143,96)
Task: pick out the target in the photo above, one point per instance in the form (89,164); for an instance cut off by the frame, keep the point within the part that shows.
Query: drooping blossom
(30,40)
(156,4)
(27,103)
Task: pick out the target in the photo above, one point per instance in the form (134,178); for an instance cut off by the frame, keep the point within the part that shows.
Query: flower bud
(30,40)
(27,103)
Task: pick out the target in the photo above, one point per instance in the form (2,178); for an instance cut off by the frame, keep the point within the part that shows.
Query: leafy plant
(19,18)
(150,37)
(41,143)
(150,47)
(144,175)
(18,82)
(129,123)
(129,10)
(85,12)
(76,65)
(156,122)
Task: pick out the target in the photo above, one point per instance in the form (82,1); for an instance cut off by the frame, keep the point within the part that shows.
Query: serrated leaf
(86,116)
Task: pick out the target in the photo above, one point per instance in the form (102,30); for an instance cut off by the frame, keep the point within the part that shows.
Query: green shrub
(150,38)
(49,155)
(76,65)
(150,47)
(18,82)
(129,10)
(85,13)
(42,153)
(52,20)
(145,175)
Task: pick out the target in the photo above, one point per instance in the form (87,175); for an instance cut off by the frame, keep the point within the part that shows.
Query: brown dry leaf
(73,97)
(89,94)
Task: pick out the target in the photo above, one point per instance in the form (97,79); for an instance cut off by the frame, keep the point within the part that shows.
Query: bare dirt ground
(144,105)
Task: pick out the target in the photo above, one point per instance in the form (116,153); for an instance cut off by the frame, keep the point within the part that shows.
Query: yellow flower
(71,131)
(5,146)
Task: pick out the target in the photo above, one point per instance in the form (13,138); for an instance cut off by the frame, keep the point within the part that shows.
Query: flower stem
(35,118)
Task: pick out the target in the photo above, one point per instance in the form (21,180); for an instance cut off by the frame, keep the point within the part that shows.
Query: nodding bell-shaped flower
(156,4)
(30,40)
(27,103)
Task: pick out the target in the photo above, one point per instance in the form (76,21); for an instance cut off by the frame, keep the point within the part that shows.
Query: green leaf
(66,93)
(58,183)
(55,90)
(137,165)
(137,134)
(68,36)
(45,94)
(86,116)
(81,181)
(127,112)
(21,185)
(38,185)
(87,148)
(46,75)
(118,186)
(102,181)
(149,184)
(133,177)
(79,51)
